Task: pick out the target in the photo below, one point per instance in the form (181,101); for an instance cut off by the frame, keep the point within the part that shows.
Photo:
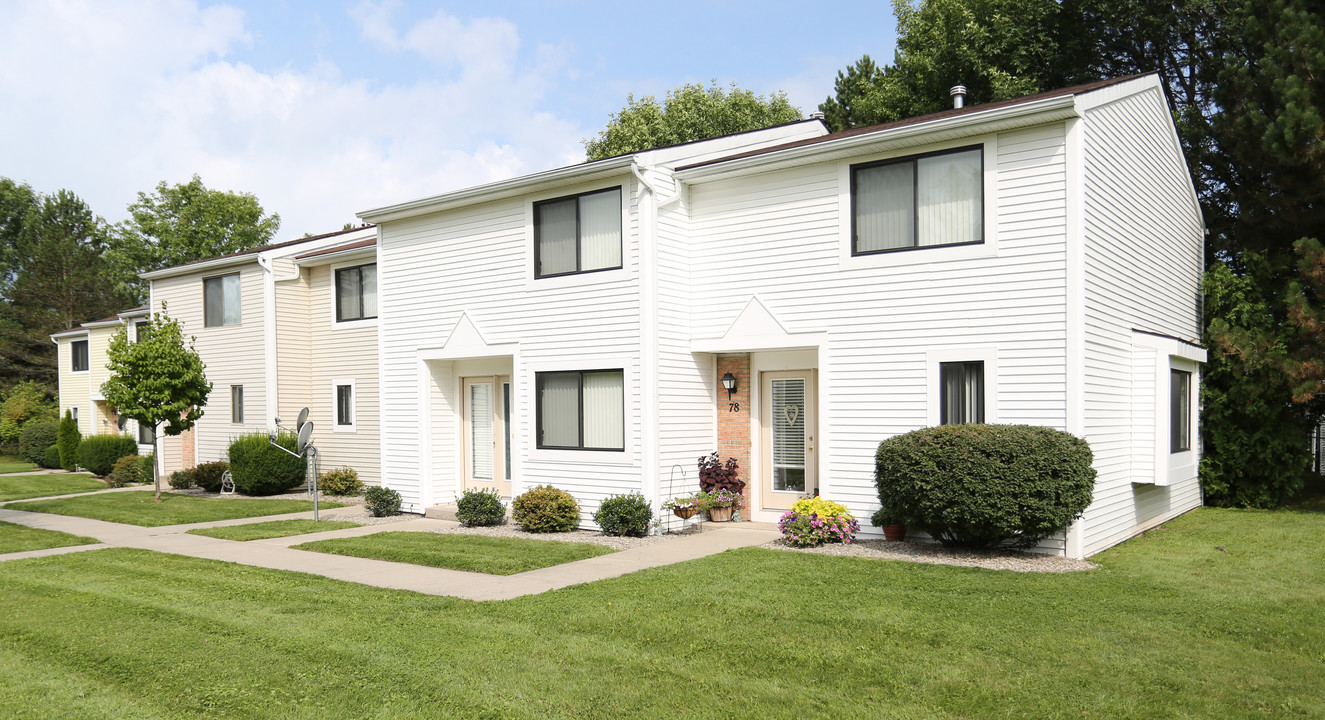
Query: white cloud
(113,99)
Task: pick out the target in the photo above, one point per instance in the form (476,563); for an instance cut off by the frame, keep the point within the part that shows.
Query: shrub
(25,402)
(260,469)
(125,471)
(985,486)
(51,460)
(208,475)
(814,521)
(35,437)
(98,453)
(546,509)
(717,475)
(340,481)
(183,479)
(628,515)
(147,467)
(477,508)
(68,439)
(382,501)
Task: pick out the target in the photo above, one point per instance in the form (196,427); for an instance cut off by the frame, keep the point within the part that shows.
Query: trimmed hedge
(51,460)
(183,479)
(985,486)
(67,439)
(628,515)
(98,453)
(546,509)
(382,501)
(341,481)
(35,437)
(208,475)
(260,469)
(480,507)
(128,470)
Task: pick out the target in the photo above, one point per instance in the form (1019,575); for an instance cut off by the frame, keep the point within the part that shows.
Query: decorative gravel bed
(940,555)
(585,536)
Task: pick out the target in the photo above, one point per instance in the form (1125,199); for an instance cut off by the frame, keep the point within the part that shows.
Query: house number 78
(734,407)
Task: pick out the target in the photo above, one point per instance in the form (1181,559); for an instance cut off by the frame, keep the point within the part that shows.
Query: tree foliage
(688,113)
(24,403)
(157,380)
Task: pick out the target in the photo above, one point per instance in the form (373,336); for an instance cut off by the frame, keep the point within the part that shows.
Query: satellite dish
(305,432)
(303,418)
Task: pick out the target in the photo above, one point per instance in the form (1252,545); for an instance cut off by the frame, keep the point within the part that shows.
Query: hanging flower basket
(685,513)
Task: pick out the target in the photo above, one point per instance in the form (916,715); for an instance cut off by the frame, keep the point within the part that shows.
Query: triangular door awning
(755,328)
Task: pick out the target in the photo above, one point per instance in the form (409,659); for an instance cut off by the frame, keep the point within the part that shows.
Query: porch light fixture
(729,382)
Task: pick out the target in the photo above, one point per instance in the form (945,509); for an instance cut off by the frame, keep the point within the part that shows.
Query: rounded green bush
(35,437)
(340,481)
(208,475)
(628,515)
(480,507)
(51,460)
(128,470)
(260,469)
(546,509)
(98,453)
(183,479)
(985,486)
(148,467)
(382,501)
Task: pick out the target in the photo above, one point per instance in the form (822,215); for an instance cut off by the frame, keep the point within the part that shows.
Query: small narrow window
(582,410)
(73,411)
(356,293)
(221,301)
(78,349)
(345,405)
(139,331)
(961,392)
(578,234)
(236,404)
(1180,411)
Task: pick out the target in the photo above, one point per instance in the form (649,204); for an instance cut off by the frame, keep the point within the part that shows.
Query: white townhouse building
(81,357)
(1030,261)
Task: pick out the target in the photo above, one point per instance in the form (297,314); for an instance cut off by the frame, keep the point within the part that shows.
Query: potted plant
(720,504)
(683,507)
(894,526)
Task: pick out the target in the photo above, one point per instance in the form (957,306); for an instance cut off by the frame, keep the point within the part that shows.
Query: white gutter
(269,339)
(649,419)
(199,266)
(967,124)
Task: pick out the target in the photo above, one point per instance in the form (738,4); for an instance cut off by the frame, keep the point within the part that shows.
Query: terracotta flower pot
(720,514)
(894,533)
(685,513)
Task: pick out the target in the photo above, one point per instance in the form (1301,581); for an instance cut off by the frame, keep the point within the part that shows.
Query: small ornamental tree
(157,380)
(67,438)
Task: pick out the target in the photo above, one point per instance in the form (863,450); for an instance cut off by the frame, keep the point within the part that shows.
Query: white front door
(486,430)
(787,430)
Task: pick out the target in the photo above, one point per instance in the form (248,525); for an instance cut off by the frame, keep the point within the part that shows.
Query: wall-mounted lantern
(729,382)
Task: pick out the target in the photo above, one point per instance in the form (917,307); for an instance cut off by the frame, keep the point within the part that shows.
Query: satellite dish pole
(303,449)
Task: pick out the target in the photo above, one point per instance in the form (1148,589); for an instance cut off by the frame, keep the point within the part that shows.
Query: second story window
(139,331)
(356,292)
(918,201)
(577,234)
(78,349)
(220,301)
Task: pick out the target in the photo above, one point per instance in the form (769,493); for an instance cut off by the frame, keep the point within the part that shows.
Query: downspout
(648,382)
(269,341)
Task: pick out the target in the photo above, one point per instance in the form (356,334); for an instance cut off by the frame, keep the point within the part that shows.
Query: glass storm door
(788,429)
(486,433)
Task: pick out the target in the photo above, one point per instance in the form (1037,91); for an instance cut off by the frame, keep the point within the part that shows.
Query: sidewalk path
(277,554)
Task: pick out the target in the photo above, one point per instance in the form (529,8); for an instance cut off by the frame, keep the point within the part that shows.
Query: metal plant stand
(671,516)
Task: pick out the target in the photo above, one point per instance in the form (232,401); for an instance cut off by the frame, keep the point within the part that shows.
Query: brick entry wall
(734,425)
(186,453)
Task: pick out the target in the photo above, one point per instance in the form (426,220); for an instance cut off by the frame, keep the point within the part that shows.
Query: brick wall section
(186,453)
(734,427)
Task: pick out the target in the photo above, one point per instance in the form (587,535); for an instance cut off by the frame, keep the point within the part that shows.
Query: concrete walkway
(277,554)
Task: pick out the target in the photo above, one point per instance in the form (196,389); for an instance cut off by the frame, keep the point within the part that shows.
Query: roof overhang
(994,120)
(585,172)
(204,266)
(76,332)
(116,322)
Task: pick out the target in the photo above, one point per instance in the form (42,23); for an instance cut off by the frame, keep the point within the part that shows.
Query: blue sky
(324,108)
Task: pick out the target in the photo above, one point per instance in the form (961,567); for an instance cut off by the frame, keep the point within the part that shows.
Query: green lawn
(475,553)
(273,529)
(18,487)
(18,538)
(11,464)
(1169,627)
(138,508)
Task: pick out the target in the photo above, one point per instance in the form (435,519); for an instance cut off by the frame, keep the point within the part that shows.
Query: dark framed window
(221,301)
(961,392)
(78,352)
(356,292)
(578,233)
(145,434)
(581,410)
(139,331)
(344,404)
(236,403)
(919,201)
(1180,411)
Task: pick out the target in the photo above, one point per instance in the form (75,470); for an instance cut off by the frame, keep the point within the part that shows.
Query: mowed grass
(138,508)
(273,529)
(11,464)
(18,487)
(1170,626)
(458,551)
(19,538)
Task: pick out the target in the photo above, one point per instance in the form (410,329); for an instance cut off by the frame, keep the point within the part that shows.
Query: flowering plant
(677,503)
(815,521)
(721,498)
